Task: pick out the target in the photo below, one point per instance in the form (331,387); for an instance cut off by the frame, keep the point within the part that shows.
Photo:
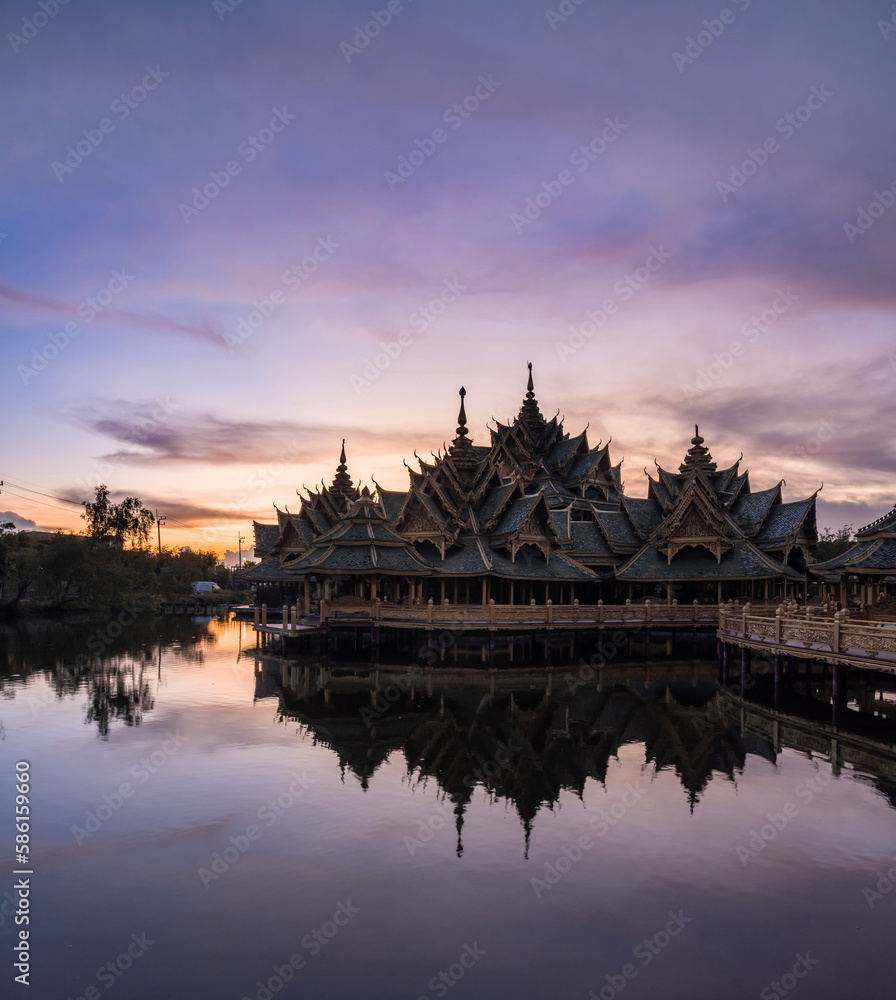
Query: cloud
(210,439)
(22,523)
(207,331)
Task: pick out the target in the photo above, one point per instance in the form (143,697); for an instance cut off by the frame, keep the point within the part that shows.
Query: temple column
(307,596)
(484,600)
(442,598)
(511,591)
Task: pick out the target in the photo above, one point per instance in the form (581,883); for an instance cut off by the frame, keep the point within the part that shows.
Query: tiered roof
(702,524)
(539,503)
(874,552)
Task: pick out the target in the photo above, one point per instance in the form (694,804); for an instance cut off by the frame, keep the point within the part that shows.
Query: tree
(833,543)
(117,522)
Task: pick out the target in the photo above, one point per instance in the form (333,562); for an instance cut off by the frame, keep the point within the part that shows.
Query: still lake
(212,821)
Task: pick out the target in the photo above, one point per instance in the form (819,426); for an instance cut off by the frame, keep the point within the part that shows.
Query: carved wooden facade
(537,514)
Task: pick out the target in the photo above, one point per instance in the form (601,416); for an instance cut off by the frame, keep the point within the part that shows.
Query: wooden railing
(493,615)
(807,628)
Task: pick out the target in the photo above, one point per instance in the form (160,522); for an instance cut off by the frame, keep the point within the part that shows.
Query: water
(222,813)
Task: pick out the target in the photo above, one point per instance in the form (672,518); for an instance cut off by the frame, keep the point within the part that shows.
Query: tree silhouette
(117,522)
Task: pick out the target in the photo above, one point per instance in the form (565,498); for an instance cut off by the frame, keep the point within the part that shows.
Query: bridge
(811,634)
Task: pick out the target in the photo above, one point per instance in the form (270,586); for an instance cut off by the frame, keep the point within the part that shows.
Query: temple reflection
(525,734)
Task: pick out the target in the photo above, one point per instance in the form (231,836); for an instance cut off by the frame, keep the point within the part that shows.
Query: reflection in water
(527,734)
(498,759)
(114,661)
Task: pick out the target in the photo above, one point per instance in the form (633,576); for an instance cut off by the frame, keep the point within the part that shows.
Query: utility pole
(239,544)
(159,522)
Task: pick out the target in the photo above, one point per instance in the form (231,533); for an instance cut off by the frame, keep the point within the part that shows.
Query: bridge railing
(837,632)
(498,615)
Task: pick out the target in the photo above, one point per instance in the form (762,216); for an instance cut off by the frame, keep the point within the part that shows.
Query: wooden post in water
(264,614)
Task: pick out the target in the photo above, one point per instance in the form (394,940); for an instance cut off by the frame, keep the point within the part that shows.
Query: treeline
(48,574)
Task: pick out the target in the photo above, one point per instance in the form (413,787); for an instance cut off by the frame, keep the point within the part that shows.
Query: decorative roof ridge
(890,513)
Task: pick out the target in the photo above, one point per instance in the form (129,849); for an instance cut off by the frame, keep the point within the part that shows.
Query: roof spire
(462,415)
(461,450)
(342,481)
(530,414)
(698,456)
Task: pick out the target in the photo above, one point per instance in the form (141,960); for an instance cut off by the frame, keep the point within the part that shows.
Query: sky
(234,233)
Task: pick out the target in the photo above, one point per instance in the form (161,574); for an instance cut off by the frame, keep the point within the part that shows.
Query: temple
(537,515)
(866,572)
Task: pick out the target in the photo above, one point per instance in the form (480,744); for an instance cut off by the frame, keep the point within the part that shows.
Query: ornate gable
(694,517)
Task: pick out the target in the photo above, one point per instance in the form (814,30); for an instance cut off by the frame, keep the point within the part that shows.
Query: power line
(77,503)
(32,500)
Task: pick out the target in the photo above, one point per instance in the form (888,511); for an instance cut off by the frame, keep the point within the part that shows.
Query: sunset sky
(219,220)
